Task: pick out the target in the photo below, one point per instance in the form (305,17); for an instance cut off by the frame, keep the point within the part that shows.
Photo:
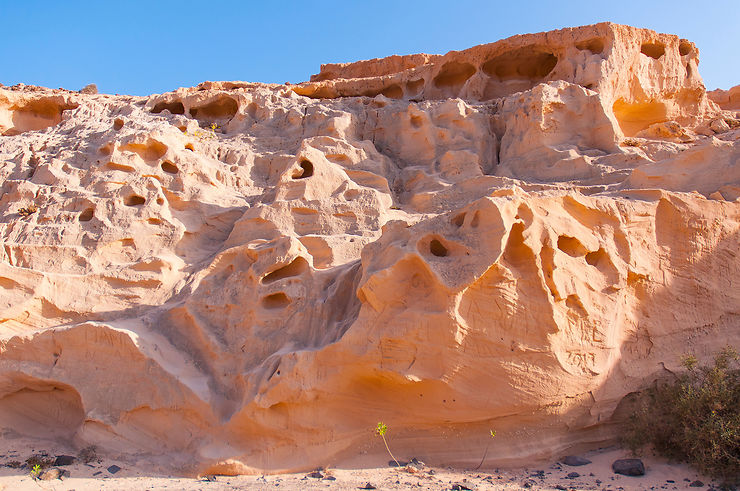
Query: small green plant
(380,430)
(694,418)
(35,471)
(493,435)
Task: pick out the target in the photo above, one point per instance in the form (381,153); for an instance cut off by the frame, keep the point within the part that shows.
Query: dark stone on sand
(629,467)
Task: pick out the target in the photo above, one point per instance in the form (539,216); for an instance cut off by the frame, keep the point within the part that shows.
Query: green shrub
(695,418)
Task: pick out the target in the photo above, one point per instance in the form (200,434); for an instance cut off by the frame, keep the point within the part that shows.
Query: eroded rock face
(642,77)
(247,278)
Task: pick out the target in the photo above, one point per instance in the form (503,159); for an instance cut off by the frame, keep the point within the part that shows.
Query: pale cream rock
(246,278)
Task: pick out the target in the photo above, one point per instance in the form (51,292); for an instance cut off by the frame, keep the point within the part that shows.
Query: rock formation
(242,277)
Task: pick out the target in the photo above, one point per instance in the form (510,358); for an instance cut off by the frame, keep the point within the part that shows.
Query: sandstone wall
(243,277)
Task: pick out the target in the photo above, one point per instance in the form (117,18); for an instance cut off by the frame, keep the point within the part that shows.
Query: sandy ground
(597,475)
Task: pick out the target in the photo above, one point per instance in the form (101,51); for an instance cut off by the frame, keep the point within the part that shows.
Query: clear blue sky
(143,47)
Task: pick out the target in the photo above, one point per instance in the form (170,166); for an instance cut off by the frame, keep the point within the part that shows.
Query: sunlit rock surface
(243,277)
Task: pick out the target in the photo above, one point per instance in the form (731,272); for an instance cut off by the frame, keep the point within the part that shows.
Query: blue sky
(143,47)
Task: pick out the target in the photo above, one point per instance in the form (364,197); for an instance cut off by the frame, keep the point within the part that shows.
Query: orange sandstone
(245,278)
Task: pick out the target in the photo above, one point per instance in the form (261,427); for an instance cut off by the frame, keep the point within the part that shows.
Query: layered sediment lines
(244,277)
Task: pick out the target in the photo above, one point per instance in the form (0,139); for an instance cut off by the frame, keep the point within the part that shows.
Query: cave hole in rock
(458,219)
(593,258)
(296,267)
(86,215)
(134,200)
(352,194)
(154,221)
(437,248)
(528,62)
(571,246)
(634,117)
(221,108)
(169,167)
(275,301)
(416,121)
(414,86)
(117,124)
(574,303)
(43,409)
(685,48)
(106,149)
(594,45)
(120,167)
(453,74)
(174,107)
(150,150)
(160,201)
(252,110)
(36,115)
(393,92)
(653,50)
(189,146)
(305,171)
(517,70)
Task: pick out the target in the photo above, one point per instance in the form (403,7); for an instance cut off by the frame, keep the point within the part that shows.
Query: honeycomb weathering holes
(305,171)
(653,50)
(528,62)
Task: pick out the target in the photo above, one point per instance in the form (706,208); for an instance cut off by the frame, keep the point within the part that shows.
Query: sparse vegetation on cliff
(695,418)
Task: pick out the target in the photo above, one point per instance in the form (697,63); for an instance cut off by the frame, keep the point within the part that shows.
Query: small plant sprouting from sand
(36,471)
(380,430)
(493,435)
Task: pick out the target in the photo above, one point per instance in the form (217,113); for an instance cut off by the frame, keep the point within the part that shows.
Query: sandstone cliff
(243,277)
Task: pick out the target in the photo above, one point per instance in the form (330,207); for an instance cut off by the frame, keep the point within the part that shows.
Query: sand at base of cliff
(660,474)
